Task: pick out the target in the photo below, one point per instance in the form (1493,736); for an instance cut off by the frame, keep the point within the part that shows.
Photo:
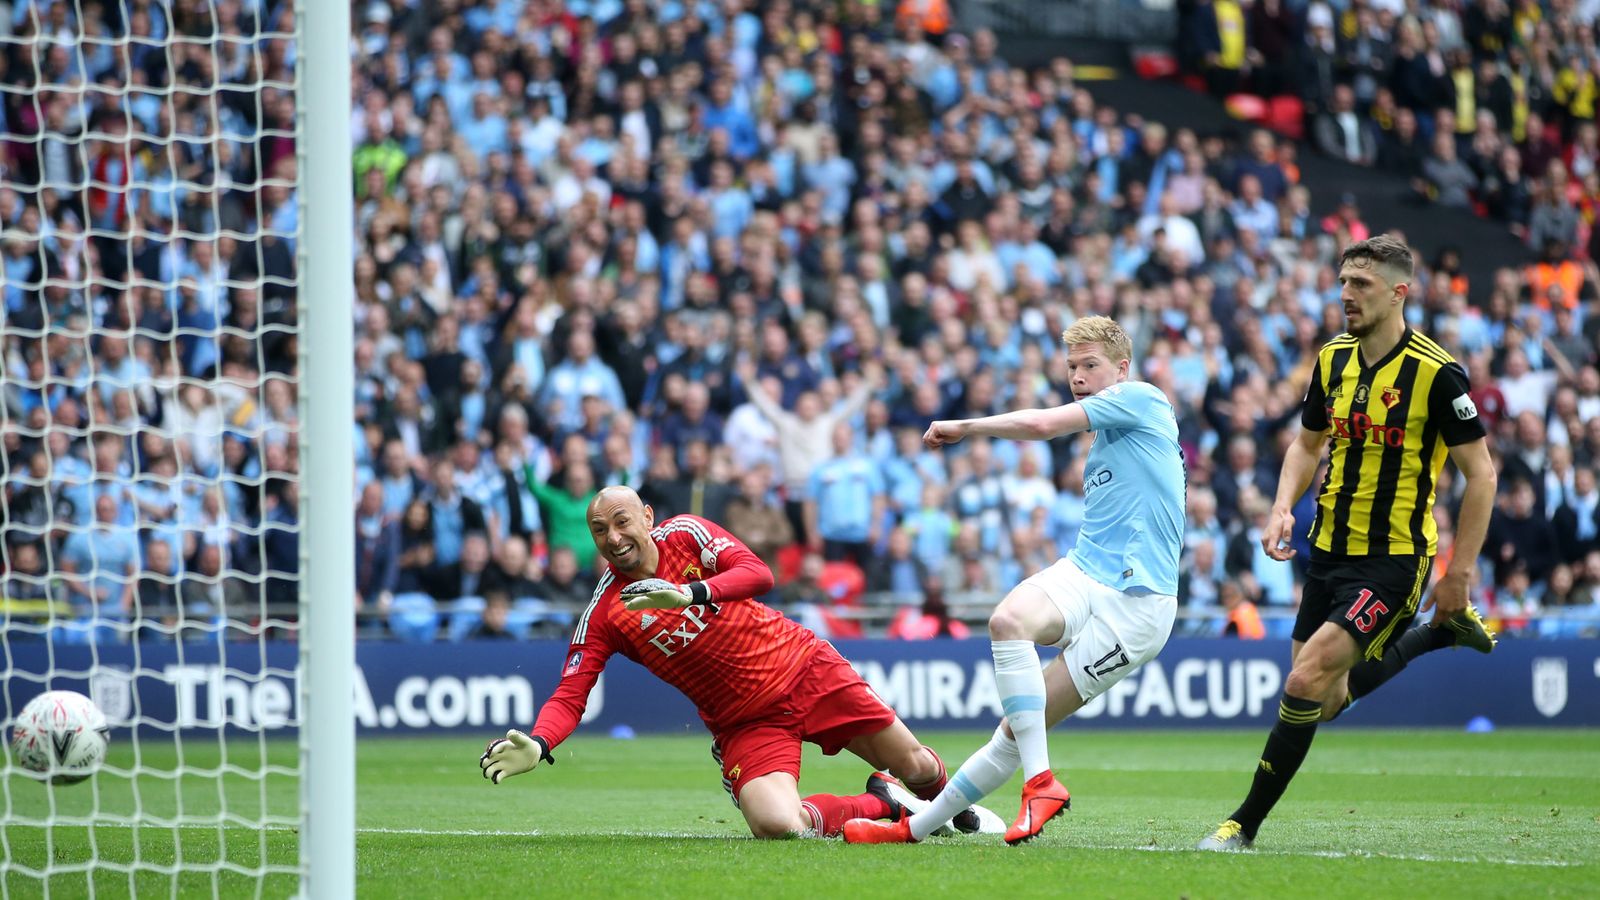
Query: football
(62,734)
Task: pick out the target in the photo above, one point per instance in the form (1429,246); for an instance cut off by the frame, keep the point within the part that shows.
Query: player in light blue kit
(1109,604)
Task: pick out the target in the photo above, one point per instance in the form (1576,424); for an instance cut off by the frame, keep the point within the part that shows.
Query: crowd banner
(485,687)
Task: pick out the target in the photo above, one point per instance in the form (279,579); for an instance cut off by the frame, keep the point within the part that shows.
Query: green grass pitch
(1372,814)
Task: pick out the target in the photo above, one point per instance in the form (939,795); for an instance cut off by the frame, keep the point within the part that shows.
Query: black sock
(1285,751)
(1369,675)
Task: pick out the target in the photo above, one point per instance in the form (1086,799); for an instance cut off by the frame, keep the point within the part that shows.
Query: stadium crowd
(1484,105)
(736,255)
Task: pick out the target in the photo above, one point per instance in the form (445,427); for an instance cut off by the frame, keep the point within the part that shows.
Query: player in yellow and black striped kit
(1391,405)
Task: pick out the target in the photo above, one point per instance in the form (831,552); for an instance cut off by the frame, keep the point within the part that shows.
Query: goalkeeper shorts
(828,705)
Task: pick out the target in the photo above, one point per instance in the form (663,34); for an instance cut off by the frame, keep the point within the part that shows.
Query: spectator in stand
(1525,389)
(1450,181)
(567,585)
(496,610)
(1577,518)
(101,563)
(931,620)
(377,551)
(1243,619)
(454,515)
(897,571)
(210,592)
(1248,561)
(844,502)
(803,435)
(1270,47)
(1341,133)
(1199,586)
(1253,211)
(580,374)
(1317,63)
(757,520)
(1225,43)
(512,571)
(698,490)
(30,592)
(1521,537)
(694,422)
(564,509)
(1243,471)
(467,576)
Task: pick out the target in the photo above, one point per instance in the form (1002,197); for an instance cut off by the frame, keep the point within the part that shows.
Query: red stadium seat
(789,559)
(839,627)
(844,581)
(1248,107)
(1152,64)
(1287,115)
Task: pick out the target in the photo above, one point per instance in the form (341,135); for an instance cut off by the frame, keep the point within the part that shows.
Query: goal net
(156,437)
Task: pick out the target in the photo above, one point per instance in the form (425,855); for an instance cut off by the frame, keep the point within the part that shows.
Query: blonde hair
(1103,331)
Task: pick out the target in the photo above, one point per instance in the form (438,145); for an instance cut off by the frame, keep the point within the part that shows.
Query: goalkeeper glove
(512,755)
(658,593)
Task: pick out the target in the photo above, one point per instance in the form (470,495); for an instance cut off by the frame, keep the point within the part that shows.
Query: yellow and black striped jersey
(1389,427)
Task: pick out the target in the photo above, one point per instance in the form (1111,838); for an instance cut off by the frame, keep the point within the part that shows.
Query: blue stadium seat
(87,630)
(78,632)
(522,615)
(414,618)
(465,616)
(528,612)
(550,615)
(1279,629)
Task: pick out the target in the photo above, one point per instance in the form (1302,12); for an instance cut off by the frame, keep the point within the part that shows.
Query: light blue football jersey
(1133,485)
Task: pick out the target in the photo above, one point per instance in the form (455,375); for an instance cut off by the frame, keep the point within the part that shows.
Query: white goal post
(327,549)
(176,446)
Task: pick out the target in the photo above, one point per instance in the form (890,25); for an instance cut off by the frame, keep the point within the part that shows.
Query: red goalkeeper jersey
(732,656)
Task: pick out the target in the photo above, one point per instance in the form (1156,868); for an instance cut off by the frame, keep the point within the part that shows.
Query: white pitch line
(1356,854)
(1324,854)
(689,836)
(1171,769)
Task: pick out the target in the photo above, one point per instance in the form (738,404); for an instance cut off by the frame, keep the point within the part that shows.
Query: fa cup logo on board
(1549,685)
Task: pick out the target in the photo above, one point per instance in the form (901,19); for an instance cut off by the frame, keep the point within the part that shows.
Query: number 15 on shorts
(1365,611)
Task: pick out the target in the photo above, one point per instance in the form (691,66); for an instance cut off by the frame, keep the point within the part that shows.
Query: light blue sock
(981,775)
(1020,683)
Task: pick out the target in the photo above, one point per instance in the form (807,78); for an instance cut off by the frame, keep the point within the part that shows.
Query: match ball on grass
(61,734)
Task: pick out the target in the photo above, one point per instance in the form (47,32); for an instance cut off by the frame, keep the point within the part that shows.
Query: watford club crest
(1391,397)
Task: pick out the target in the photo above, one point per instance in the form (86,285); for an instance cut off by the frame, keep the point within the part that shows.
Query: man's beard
(1366,327)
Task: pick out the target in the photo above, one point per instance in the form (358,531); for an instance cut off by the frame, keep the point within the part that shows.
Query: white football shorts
(1109,633)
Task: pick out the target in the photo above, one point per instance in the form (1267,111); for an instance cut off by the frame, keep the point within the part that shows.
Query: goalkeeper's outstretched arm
(517,753)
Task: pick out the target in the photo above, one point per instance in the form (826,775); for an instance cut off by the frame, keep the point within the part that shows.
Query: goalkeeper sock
(981,775)
(829,812)
(929,789)
(1020,682)
(1371,674)
(1286,749)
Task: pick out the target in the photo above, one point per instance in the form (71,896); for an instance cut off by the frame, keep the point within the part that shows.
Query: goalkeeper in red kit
(677,599)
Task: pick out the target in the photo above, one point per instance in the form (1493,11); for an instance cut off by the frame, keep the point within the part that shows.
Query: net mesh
(150,440)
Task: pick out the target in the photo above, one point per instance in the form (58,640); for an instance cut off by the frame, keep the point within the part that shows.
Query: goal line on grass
(693,836)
